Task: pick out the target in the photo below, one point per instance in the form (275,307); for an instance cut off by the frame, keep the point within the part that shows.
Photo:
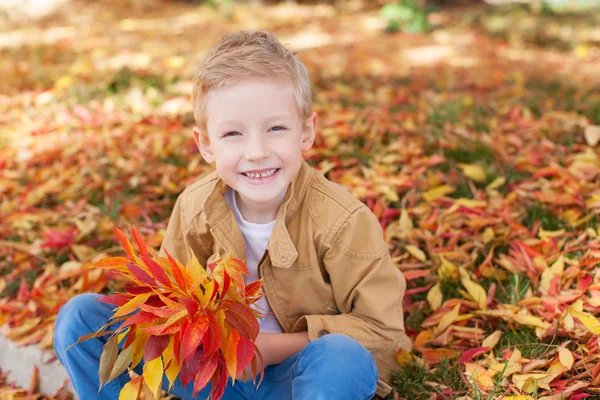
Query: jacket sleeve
(183,233)
(368,289)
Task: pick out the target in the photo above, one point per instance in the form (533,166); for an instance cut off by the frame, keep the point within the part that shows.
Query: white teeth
(263,175)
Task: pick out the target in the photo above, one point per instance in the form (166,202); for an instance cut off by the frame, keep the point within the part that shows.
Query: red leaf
(240,317)
(58,239)
(157,271)
(137,289)
(470,354)
(205,372)
(177,343)
(190,305)
(212,338)
(226,282)
(188,370)
(155,347)
(23,293)
(245,353)
(139,241)
(219,380)
(215,290)
(193,335)
(115,299)
(140,274)
(140,317)
(124,242)
(584,282)
(168,328)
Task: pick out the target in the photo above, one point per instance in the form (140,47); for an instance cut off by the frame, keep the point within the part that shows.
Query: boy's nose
(256,149)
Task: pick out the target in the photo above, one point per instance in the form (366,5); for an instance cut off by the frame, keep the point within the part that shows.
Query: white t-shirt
(256,237)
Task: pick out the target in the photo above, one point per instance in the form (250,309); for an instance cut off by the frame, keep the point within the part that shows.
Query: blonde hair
(249,55)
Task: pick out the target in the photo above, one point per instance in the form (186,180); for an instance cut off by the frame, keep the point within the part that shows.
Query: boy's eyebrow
(273,118)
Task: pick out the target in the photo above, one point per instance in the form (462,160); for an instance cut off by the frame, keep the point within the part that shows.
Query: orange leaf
(231,353)
(182,278)
(124,242)
(139,241)
(253,289)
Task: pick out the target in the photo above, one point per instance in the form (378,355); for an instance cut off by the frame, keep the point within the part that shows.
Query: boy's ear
(310,132)
(204,146)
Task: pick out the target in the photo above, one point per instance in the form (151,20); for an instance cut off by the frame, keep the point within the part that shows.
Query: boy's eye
(229,133)
(279,128)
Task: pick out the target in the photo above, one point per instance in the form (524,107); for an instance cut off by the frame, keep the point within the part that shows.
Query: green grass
(409,381)
(511,291)
(414,319)
(525,340)
(538,212)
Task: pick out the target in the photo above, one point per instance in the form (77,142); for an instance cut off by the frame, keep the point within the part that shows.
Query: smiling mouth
(261,175)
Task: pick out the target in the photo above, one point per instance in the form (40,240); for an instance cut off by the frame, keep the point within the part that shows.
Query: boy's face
(255,126)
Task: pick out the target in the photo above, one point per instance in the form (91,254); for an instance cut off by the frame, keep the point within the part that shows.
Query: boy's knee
(337,342)
(344,347)
(72,312)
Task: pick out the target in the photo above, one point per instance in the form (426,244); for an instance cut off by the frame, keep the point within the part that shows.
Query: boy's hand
(275,348)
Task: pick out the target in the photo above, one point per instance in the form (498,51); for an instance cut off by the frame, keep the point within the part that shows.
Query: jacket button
(323,332)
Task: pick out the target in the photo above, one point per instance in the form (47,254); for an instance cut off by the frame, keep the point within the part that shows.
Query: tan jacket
(327,268)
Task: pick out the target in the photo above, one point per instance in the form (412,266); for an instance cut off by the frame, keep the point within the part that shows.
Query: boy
(333,293)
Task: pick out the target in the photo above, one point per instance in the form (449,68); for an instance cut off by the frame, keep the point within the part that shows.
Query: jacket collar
(224,227)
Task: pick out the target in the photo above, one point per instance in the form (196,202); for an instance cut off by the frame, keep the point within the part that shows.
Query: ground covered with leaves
(475,145)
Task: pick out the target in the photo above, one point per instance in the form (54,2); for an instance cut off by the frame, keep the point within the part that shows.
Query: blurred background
(417,100)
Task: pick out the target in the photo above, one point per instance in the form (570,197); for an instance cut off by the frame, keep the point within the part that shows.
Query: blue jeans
(331,367)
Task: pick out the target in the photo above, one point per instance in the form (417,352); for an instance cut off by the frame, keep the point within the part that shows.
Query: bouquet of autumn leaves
(190,321)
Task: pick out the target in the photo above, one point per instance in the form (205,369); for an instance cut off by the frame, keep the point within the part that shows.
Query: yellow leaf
(565,357)
(474,172)
(437,192)
(406,224)
(550,272)
(172,372)
(488,235)
(517,398)
(403,356)
(492,340)
(542,234)
(496,183)
(196,271)
(416,252)
(530,320)
(131,390)
(131,305)
(481,375)
(469,203)
(153,373)
(64,82)
(434,296)
(447,269)
(510,367)
(448,318)
(588,320)
(476,291)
